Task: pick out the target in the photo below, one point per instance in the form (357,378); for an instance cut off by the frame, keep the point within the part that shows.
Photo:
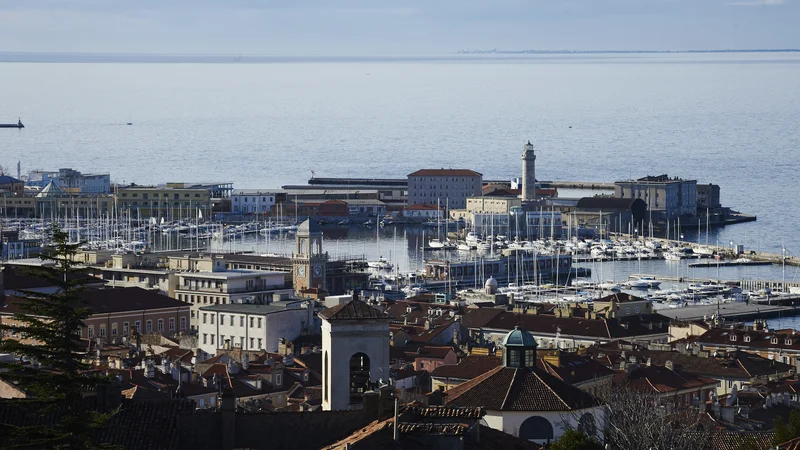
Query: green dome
(519,338)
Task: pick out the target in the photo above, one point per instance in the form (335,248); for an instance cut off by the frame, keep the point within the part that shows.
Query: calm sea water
(729,119)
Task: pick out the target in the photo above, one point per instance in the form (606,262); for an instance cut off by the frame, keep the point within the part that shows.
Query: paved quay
(730,311)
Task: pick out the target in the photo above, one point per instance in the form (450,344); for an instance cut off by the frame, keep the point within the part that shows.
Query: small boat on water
(381,263)
(13,125)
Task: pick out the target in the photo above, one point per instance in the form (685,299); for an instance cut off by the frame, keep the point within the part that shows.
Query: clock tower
(308,260)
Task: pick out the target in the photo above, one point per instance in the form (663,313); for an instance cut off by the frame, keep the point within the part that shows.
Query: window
(231,319)
(221,319)
(205,338)
(205,317)
(241,321)
(183,323)
(91,331)
(212,339)
(636,309)
(102,330)
(241,341)
(148,326)
(259,322)
(627,309)
(172,324)
(113,328)
(747,338)
(259,343)
(160,325)
(733,337)
(252,340)
(530,358)
(514,358)
(251,322)
(137,326)
(774,340)
(278,379)
(788,342)
(125,328)
(212,319)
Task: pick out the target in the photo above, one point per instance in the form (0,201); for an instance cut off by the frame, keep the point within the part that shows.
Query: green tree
(782,433)
(51,367)
(794,423)
(575,440)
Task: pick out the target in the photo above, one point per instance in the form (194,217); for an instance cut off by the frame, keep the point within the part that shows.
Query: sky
(407,27)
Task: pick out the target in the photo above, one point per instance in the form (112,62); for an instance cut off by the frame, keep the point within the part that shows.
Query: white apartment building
(246,201)
(253,327)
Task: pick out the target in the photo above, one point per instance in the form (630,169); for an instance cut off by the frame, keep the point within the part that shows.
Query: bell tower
(309,262)
(528,173)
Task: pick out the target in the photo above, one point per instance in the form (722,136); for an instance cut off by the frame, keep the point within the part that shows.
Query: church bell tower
(309,262)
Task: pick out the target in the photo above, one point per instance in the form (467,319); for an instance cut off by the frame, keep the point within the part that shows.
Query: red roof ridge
(551,390)
(510,386)
(465,386)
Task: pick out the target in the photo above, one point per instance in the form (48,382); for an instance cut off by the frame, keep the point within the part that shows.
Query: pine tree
(782,433)
(55,376)
(794,423)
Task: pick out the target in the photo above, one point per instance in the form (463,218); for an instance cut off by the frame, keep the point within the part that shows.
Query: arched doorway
(536,428)
(359,377)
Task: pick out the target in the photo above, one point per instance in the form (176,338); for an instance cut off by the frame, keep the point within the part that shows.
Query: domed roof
(309,227)
(491,282)
(519,338)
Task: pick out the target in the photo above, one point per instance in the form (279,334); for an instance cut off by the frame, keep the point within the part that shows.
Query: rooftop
(353,310)
(445,173)
(519,389)
(243,308)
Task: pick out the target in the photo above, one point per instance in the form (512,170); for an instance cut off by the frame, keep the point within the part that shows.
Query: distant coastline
(565,52)
(461,55)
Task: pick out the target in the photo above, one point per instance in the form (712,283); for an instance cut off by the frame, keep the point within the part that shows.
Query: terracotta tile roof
(445,173)
(435,352)
(438,429)
(513,389)
(438,412)
(600,328)
(574,369)
(478,318)
(661,380)
(794,444)
(757,339)
(353,310)
(724,440)
(468,368)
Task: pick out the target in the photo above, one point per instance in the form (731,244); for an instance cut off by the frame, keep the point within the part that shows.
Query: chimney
(149,369)
(649,362)
(427,325)
(245,361)
(668,364)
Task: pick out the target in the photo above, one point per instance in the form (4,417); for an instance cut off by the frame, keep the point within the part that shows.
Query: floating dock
(729,263)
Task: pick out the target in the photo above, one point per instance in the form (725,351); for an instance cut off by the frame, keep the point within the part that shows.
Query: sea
(729,119)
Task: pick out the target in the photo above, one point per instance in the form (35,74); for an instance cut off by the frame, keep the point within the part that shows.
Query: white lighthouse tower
(528,173)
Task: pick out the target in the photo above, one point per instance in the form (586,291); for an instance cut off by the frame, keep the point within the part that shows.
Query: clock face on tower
(301,271)
(317,270)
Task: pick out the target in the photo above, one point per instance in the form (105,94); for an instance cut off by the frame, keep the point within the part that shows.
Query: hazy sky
(365,27)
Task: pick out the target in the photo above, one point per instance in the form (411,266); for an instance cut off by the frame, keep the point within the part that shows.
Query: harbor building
(72,181)
(252,201)
(708,197)
(492,205)
(667,198)
(446,187)
(168,202)
(606,214)
(11,185)
(520,267)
